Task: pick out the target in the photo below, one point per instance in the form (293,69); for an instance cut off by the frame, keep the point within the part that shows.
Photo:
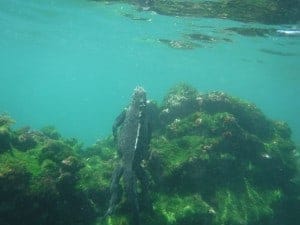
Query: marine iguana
(133,134)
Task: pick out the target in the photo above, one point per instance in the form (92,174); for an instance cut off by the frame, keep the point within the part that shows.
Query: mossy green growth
(250,206)
(178,94)
(115,220)
(174,154)
(227,151)
(100,161)
(248,116)
(263,11)
(6,136)
(27,160)
(95,177)
(214,160)
(6,120)
(184,210)
(180,101)
(40,180)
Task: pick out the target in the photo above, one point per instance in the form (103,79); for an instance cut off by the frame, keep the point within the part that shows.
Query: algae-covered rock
(180,101)
(214,159)
(51,132)
(38,179)
(225,150)
(5,138)
(25,138)
(263,11)
(55,151)
(5,133)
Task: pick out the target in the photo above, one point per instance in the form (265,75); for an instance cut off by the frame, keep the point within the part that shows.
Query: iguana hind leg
(115,190)
(131,195)
(143,177)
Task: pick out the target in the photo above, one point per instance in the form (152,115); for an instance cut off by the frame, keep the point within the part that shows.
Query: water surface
(73,64)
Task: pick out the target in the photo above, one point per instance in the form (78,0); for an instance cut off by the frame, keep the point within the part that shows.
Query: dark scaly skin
(133,139)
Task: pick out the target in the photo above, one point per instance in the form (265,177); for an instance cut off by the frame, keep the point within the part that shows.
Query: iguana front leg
(118,121)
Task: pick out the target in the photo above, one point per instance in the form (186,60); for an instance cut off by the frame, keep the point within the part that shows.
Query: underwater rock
(214,159)
(56,151)
(67,171)
(269,12)
(5,138)
(252,32)
(178,44)
(275,52)
(226,150)
(206,39)
(186,209)
(42,181)
(13,178)
(13,186)
(202,37)
(51,132)
(248,115)
(179,102)
(71,164)
(6,120)
(6,135)
(134,17)
(261,11)
(26,138)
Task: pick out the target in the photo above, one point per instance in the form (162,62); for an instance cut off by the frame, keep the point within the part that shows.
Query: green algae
(176,209)
(252,31)
(94,178)
(40,181)
(226,150)
(263,11)
(179,44)
(214,159)
(5,133)
(6,120)
(275,52)
(249,207)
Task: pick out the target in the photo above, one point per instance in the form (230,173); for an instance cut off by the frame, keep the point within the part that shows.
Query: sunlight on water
(73,64)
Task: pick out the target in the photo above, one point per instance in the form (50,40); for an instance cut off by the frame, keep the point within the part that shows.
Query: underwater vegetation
(193,41)
(214,159)
(179,44)
(280,53)
(252,32)
(262,11)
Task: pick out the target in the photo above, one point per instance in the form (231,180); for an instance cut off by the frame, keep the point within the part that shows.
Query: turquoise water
(73,64)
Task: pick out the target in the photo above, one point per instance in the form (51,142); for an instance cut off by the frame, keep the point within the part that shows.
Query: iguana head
(139,97)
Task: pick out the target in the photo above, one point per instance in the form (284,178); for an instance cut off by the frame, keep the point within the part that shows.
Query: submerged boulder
(226,151)
(6,134)
(214,160)
(5,139)
(262,11)
(39,176)
(180,101)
